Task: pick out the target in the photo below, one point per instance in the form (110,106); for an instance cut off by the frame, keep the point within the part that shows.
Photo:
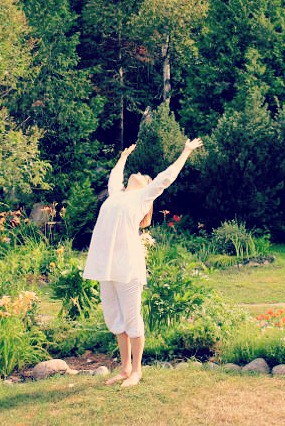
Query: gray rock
(258,365)
(86,372)
(164,364)
(48,368)
(145,367)
(182,366)
(72,372)
(102,371)
(278,370)
(196,364)
(231,367)
(15,379)
(212,365)
(8,382)
(38,215)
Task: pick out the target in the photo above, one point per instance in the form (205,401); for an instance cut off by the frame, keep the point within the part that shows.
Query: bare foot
(118,378)
(132,380)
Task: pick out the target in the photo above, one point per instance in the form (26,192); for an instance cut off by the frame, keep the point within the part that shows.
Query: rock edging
(51,367)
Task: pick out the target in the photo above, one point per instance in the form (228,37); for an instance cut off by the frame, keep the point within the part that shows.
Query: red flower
(171,224)
(176,218)
(260,317)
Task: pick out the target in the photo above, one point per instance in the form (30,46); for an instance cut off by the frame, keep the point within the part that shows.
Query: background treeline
(77,76)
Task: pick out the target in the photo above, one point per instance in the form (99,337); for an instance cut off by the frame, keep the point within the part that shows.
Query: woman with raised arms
(116,256)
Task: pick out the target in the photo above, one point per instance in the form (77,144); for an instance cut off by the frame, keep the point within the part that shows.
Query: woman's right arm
(116,178)
(164,179)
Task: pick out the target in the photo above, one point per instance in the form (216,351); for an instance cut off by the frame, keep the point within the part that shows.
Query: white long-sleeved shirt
(116,252)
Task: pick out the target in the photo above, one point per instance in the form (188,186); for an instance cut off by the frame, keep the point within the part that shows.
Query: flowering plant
(22,306)
(174,221)
(16,228)
(21,341)
(272,319)
(147,241)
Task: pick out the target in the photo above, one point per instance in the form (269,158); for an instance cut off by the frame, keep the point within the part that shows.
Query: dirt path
(261,305)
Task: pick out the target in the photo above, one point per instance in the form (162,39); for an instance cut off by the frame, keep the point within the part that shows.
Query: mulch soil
(87,361)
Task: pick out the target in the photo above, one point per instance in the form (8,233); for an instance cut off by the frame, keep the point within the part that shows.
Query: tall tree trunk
(166,68)
(121,79)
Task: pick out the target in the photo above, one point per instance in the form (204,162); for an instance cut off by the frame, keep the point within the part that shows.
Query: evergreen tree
(59,97)
(108,47)
(236,36)
(243,175)
(21,169)
(160,142)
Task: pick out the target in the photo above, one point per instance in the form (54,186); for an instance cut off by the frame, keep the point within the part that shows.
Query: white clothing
(121,303)
(116,252)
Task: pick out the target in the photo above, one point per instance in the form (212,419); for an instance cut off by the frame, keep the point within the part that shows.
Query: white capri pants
(121,304)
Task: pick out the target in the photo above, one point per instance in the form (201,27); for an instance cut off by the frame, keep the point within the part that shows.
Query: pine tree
(244,172)
(58,97)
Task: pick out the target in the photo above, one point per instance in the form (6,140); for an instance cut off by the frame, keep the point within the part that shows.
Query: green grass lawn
(48,306)
(164,397)
(253,285)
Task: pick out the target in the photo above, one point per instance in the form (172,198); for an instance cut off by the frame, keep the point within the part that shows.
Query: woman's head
(138,181)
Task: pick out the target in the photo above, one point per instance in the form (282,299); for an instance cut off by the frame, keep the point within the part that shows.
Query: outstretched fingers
(129,150)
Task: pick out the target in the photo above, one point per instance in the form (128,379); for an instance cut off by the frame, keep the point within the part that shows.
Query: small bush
(81,210)
(220,261)
(198,335)
(170,294)
(248,342)
(66,337)
(234,239)
(76,293)
(21,341)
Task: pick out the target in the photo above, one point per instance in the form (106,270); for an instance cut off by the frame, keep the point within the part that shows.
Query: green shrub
(17,229)
(248,342)
(220,261)
(66,337)
(76,293)
(21,341)
(199,335)
(80,212)
(234,239)
(21,266)
(170,294)
(262,244)
(211,321)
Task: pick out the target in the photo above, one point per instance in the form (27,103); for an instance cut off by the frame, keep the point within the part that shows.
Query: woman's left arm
(116,178)
(164,179)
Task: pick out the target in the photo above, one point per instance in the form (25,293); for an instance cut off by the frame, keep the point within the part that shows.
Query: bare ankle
(137,370)
(126,369)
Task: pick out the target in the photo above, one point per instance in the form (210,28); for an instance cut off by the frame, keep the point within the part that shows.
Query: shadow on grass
(43,396)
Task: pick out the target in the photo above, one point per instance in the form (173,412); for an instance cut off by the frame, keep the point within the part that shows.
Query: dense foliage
(76,79)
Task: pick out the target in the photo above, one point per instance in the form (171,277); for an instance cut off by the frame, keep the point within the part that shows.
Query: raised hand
(191,145)
(128,151)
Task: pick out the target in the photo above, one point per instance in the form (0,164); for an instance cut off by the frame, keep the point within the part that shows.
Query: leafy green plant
(198,335)
(80,212)
(76,293)
(210,322)
(170,294)
(248,342)
(233,238)
(21,341)
(220,261)
(66,337)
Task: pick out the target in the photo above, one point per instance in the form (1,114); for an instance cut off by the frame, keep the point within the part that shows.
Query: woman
(116,257)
